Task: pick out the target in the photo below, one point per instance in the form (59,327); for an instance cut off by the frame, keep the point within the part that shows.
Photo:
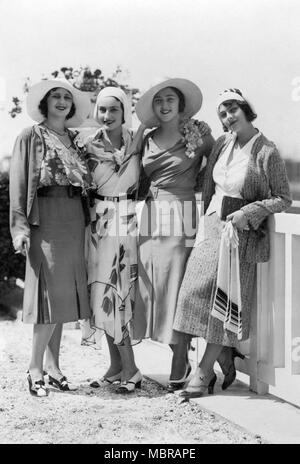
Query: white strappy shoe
(37,388)
(128,386)
(104,381)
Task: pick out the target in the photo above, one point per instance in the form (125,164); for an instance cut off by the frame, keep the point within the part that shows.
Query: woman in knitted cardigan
(243,164)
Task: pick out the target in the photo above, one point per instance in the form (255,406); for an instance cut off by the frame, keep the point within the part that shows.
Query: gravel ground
(99,416)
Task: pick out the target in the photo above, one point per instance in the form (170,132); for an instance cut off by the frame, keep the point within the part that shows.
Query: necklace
(56,132)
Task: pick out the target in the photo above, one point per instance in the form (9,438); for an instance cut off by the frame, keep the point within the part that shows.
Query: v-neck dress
(166,237)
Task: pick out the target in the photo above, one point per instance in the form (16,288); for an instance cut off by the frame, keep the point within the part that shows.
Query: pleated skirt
(56,280)
(195,299)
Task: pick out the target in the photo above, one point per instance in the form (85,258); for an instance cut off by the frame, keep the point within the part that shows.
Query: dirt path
(150,415)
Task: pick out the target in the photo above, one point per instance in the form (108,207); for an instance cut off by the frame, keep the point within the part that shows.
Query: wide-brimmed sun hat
(192,96)
(38,91)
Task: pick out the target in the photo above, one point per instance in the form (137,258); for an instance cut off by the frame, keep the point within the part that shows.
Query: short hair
(123,116)
(245,107)
(122,108)
(43,105)
(180,95)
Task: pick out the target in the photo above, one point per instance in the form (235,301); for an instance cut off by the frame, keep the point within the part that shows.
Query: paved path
(267,416)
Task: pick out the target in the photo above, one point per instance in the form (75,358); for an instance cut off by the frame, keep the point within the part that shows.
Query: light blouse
(229,176)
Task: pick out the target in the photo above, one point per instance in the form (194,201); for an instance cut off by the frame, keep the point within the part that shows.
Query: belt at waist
(154,192)
(59,191)
(108,198)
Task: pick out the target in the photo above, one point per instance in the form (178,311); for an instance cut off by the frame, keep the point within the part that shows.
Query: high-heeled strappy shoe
(62,384)
(198,385)
(174,385)
(128,386)
(38,388)
(228,371)
(104,381)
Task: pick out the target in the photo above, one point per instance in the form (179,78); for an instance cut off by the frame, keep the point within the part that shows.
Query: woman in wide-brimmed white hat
(48,179)
(172,156)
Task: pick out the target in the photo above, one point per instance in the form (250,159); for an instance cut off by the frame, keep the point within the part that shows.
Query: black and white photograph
(149,225)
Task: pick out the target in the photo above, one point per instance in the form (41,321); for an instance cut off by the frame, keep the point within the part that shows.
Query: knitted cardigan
(26,160)
(266,188)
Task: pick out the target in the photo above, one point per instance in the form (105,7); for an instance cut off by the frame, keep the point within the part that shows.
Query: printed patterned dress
(112,236)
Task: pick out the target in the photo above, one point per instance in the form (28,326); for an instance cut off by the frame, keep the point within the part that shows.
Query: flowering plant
(192,135)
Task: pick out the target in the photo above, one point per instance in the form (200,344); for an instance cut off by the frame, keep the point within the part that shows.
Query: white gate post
(255,334)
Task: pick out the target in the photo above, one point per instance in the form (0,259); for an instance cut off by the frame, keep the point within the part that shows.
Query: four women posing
(158,285)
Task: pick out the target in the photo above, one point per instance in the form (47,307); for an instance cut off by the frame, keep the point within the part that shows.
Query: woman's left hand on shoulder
(207,145)
(238,219)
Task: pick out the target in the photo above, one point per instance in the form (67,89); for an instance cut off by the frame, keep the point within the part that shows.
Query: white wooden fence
(273,351)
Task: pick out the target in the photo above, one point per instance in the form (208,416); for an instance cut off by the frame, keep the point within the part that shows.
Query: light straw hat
(38,91)
(192,96)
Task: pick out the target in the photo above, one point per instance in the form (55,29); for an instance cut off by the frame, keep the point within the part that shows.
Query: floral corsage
(192,135)
(80,143)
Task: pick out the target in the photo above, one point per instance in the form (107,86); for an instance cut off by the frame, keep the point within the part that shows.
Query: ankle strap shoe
(104,381)
(129,386)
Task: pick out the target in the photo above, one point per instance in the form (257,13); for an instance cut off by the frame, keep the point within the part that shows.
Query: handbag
(230,205)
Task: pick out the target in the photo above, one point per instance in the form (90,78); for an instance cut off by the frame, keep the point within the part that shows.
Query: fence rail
(273,351)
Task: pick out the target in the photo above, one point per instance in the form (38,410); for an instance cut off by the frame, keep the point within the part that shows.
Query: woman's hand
(136,146)
(238,219)
(21,244)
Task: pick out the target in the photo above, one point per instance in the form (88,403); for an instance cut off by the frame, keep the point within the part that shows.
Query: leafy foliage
(86,80)
(11,265)
(16,108)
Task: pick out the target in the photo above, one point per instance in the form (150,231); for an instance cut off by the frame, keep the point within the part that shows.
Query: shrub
(11,265)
